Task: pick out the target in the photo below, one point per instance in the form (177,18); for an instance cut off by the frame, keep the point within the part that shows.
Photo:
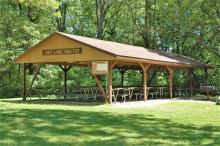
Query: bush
(10,91)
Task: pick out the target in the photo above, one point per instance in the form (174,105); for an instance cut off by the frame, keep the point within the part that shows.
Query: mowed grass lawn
(175,123)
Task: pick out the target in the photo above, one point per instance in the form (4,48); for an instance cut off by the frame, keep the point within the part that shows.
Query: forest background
(186,27)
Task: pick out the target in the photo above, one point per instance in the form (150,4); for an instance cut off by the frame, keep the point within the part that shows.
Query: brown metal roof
(123,50)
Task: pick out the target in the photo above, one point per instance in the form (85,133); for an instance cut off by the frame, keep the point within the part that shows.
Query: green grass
(177,123)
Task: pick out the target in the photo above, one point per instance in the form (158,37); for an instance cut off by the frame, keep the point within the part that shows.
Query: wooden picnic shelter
(67,50)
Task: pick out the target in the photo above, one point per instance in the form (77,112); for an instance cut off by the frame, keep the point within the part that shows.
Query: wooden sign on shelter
(99,67)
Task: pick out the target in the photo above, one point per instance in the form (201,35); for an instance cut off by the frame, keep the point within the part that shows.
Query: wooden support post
(65,81)
(170,69)
(111,66)
(122,71)
(65,70)
(110,83)
(190,81)
(206,76)
(206,82)
(100,87)
(24,82)
(145,68)
(32,82)
(145,84)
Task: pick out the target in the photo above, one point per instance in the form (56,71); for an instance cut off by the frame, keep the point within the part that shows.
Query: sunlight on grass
(176,123)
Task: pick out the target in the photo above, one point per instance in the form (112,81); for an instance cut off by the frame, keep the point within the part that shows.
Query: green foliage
(190,28)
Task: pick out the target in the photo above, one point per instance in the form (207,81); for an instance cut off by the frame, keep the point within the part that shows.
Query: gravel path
(150,103)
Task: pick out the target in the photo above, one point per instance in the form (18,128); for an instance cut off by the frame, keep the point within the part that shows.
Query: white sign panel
(100,67)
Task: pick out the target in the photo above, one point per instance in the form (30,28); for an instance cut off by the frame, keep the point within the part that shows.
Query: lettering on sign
(62,51)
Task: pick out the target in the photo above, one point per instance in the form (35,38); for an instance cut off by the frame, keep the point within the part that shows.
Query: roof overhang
(99,50)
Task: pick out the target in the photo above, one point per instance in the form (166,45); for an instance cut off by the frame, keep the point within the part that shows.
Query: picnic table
(123,93)
(91,93)
(128,93)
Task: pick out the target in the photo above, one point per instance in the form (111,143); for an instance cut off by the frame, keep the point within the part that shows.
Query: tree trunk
(61,21)
(146,28)
(100,17)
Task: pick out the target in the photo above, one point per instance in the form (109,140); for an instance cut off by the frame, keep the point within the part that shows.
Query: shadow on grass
(63,127)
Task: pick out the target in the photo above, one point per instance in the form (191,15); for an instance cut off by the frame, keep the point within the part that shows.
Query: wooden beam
(206,81)
(62,67)
(65,70)
(171,84)
(190,81)
(111,66)
(98,83)
(206,76)
(24,82)
(145,68)
(181,65)
(100,87)
(170,69)
(122,71)
(65,81)
(32,82)
(110,83)
(145,84)
(142,66)
(113,63)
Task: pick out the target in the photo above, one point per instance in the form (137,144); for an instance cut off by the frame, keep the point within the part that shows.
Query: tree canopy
(186,27)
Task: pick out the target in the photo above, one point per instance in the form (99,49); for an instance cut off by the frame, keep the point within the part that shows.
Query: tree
(189,28)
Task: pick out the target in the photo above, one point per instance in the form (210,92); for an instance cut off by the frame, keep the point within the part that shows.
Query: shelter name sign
(62,51)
